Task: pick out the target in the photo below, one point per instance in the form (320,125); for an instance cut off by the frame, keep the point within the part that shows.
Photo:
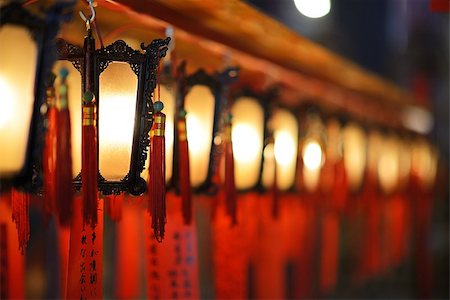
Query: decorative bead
(182,113)
(63,72)
(87,97)
(158,106)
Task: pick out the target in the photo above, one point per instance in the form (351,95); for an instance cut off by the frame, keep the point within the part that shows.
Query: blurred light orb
(246,142)
(313,8)
(312,155)
(284,148)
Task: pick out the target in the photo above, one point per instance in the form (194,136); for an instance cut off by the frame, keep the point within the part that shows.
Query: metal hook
(91,7)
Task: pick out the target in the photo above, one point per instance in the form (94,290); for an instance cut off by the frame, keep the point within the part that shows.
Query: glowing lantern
(119,78)
(388,165)
(247,137)
(355,153)
(285,134)
(424,162)
(24,69)
(312,151)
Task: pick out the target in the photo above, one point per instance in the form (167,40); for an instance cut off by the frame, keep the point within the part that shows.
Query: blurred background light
(313,8)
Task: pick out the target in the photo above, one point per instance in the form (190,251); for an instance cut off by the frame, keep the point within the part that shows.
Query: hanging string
(97,31)
(158,80)
(182,151)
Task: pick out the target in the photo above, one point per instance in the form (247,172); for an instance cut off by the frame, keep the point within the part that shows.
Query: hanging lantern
(284,151)
(26,57)
(121,81)
(424,163)
(355,152)
(388,168)
(312,149)
(248,137)
(202,101)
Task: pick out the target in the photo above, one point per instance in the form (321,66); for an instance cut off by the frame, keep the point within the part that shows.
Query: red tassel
(20,210)
(184,177)
(230,187)
(89,165)
(63,191)
(12,262)
(157,181)
(113,207)
(49,158)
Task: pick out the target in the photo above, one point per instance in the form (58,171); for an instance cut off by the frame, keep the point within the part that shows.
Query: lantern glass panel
(247,136)
(355,153)
(313,159)
(168,98)
(424,162)
(199,104)
(116,115)
(388,165)
(286,146)
(285,134)
(18,58)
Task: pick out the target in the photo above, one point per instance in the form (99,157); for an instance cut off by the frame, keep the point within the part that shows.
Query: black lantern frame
(264,99)
(91,62)
(43,31)
(218,84)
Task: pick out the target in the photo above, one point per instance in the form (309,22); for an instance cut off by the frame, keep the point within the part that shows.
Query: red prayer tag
(172,265)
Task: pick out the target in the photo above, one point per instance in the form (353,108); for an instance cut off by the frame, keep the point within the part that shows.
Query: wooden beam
(266,51)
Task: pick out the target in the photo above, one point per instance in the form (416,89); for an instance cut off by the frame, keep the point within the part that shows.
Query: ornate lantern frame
(263,98)
(218,84)
(91,62)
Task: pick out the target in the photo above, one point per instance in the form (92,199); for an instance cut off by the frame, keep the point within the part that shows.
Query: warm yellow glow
(168,98)
(424,162)
(117,107)
(6,102)
(244,138)
(247,136)
(312,155)
(199,104)
(311,178)
(74,95)
(313,8)
(355,152)
(285,148)
(313,160)
(18,55)
(388,165)
(285,128)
